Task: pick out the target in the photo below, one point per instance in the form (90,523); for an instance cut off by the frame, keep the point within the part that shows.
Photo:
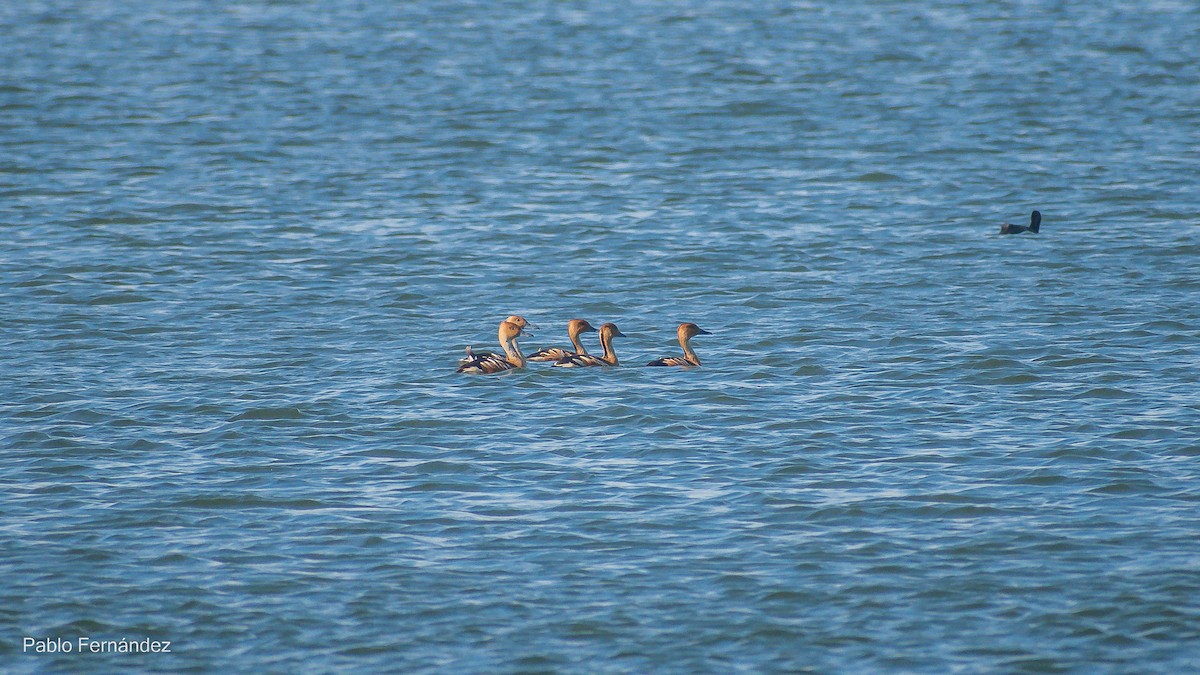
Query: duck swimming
(686,332)
(515,318)
(1035,224)
(486,364)
(574,328)
(607,332)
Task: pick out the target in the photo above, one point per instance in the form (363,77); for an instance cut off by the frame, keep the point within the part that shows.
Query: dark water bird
(487,364)
(686,332)
(1035,224)
(607,332)
(574,328)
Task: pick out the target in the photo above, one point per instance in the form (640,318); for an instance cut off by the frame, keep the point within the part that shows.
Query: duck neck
(687,351)
(577,344)
(513,351)
(610,356)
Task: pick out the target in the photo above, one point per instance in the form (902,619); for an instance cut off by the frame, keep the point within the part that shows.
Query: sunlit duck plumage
(471,355)
(487,364)
(686,332)
(607,332)
(574,328)
(1035,224)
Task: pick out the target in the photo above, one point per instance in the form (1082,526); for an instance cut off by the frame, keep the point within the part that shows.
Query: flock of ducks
(514,326)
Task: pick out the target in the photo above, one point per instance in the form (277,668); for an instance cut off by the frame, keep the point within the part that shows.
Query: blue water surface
(246,243)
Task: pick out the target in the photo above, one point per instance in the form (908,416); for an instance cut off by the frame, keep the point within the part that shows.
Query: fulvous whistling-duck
(494,363)
(686,332)
(515,318)
(607,332)
(574,328)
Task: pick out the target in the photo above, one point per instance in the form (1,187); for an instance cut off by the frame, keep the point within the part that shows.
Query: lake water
(246,243)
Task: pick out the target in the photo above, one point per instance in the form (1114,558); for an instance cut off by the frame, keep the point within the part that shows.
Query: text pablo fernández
(86,645)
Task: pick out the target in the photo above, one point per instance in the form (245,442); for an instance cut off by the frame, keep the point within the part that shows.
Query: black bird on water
(1035,223)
